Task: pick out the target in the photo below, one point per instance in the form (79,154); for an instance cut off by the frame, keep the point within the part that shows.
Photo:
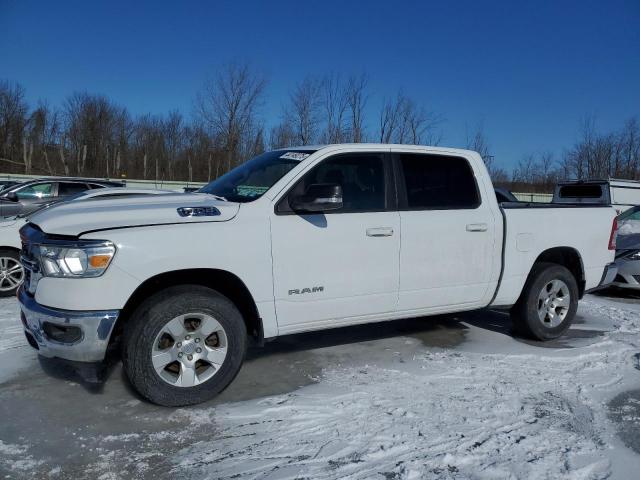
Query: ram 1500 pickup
(296,240)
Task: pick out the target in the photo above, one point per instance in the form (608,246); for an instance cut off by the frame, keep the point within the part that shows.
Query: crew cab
(296,240)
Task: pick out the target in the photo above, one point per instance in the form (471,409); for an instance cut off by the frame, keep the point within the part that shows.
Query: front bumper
(81,336)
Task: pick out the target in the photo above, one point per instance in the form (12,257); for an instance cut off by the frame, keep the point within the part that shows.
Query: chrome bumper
(91,330)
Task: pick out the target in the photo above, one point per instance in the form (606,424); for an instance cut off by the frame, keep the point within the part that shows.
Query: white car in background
(620,194)
(11,271)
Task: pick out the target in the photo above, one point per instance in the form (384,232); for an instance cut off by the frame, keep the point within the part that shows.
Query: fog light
(61,333)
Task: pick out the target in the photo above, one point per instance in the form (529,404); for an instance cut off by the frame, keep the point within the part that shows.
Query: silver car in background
(628,250)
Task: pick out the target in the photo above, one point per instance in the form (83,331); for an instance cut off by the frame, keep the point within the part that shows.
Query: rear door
(447,243)
(340,266)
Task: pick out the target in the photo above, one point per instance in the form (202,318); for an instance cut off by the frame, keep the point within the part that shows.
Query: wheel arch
(568,257)
(223,281)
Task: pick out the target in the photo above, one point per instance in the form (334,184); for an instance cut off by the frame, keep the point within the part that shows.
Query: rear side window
(581,191)
(438,182)
(70,188)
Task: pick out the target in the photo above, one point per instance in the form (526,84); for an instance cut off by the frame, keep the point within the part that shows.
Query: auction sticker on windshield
(295,156)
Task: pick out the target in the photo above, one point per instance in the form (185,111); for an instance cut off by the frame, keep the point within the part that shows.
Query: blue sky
(528,71)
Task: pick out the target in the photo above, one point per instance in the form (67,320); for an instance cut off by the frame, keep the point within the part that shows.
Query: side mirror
(12,196)
(319,197)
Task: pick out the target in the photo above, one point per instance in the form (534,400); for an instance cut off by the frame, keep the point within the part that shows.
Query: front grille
(636,278)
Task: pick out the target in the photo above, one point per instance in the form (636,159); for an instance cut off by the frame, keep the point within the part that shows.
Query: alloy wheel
(189,350)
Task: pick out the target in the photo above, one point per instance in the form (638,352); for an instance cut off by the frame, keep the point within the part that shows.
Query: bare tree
(601,155)
(402,120)
(303,115)
(46,131)
(13,120)
(96,130)
(389,119)
(228,104)
(173,138)
(477,141)
(334,105)
(356,101)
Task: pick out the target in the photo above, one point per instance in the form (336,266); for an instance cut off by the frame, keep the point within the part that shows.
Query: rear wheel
(11,272)
(548,302)
(184,345)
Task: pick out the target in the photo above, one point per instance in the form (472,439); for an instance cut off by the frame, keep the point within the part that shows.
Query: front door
(340,266)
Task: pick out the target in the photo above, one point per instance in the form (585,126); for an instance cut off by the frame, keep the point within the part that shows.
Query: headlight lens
(76,261)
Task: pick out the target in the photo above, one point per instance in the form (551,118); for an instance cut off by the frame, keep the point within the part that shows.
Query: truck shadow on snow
(293,361)
(92,377)
(500,322)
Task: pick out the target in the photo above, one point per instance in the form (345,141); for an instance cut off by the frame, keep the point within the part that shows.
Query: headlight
(76,261)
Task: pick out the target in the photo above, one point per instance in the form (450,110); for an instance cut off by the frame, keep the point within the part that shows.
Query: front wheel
(184,345)
(548,302)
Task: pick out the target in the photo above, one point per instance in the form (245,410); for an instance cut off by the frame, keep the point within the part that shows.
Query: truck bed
(531,229)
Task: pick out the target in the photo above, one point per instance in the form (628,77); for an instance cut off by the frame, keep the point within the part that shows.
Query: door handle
(477,227)
(379,232)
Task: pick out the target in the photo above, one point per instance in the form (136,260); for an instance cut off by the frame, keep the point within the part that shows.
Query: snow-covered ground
(480,405)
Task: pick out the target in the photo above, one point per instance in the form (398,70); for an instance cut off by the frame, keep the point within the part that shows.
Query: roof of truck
(315,148)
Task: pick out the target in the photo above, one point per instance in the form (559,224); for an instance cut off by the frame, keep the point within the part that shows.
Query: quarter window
(438,182)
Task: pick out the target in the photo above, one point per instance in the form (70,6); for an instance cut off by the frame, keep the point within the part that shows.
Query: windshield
(252,179)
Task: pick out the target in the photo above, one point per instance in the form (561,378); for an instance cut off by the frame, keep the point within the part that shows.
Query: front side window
(39,190)
(438,182)
(361,176)
(252,179)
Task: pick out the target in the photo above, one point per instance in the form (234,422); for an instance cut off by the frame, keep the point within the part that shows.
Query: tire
(154,331)
(540,313)
(11,272)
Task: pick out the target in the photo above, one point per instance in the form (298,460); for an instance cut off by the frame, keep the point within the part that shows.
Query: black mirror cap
(13,196)
(318,198)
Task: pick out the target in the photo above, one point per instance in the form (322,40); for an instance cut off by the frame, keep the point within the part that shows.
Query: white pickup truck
(296,240)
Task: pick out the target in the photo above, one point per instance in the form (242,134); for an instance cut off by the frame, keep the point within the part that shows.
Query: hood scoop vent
(198,212)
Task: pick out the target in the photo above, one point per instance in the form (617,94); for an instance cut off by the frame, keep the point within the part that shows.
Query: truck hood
(82,216)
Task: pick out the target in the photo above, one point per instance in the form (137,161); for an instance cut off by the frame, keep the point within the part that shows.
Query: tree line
(92,135)
(595,155)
